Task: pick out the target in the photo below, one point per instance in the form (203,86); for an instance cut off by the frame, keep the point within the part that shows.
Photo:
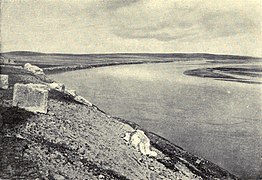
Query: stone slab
(31,97)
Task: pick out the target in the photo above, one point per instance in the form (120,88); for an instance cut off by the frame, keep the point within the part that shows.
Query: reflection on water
(220,121)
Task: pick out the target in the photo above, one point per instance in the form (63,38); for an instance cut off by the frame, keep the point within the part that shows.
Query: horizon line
(111,53)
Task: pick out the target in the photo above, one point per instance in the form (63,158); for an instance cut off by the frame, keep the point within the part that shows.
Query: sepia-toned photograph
(131,90)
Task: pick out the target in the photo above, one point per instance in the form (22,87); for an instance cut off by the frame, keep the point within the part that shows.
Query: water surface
(220,121)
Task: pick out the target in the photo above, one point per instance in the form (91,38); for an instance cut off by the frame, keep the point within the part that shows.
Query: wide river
(218,120)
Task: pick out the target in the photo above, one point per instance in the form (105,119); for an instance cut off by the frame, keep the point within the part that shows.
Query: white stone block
(3,81)
(32,97)
(57,86)
(70,92)
(34,69)
(140,142)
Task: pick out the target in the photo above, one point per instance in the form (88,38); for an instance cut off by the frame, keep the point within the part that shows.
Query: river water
(218,120)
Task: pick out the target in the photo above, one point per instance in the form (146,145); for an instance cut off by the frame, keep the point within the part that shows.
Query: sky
(113,26)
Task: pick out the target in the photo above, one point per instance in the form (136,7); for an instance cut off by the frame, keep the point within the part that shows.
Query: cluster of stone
(34,97)
(140,142)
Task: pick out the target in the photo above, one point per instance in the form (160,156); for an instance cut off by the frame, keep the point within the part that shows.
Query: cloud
(228,23)
(115,4)
(226,26)
(176,20)
(161,34)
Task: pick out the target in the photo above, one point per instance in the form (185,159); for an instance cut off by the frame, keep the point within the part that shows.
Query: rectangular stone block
(32,97)
(3,81)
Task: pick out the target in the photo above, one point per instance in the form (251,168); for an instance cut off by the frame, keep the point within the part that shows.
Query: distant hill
(23,53)
(112,55)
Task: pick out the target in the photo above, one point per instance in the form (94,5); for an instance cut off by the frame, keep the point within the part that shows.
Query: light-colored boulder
(3,81)
(140,142)
(57,86)
(32,97)
(70,92)
(34,69)
(82,100)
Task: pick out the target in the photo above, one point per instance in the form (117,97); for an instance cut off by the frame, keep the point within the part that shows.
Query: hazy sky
(96,26)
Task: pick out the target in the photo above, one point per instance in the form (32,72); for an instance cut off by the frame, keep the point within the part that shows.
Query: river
(218,120)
